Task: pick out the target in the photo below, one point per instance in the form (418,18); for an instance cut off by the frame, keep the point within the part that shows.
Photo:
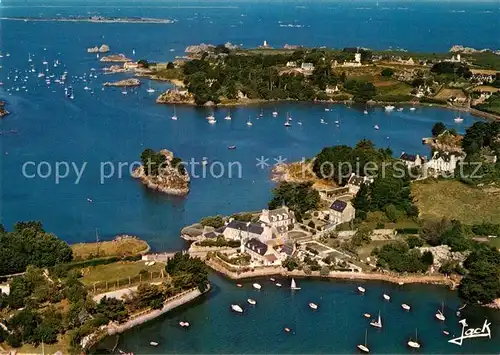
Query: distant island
(164,172)
(117,58)
(3,111)
(230,75)
(93,19)
(125,82)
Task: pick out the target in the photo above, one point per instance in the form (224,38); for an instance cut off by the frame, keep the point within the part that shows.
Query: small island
(102,49)
(116,58)
(125,82)
(92,19)
(163,172)
(3,111)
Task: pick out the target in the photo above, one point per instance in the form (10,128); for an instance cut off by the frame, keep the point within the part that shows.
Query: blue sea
(103,132)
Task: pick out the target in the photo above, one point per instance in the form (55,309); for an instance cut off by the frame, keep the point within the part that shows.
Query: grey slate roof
(256,246)
(338,205)
(356,180)
(253,228)
(408,157)
(287,249)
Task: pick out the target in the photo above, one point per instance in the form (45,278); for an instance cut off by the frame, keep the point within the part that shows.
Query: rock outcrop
(116,58)
(93,50)
(176,97)
(102,49)
(468,50)
(169,179)
(125,82)
(200,48)
(443,253)
(3,111)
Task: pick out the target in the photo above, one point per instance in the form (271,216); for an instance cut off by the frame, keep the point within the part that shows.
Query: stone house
(442,162)
(280,219)
(412,160)
(355,182)
(236,230)
(308,67)
(341,212)
(259,252)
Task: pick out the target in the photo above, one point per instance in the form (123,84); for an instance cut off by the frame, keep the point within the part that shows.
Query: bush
(387,72)
(215,221)
(325,271)
(380,225)
(311,224)
(414,241)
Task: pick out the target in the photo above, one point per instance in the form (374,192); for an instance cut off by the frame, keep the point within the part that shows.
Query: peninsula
(230,75)
(117,58)
(163,172)
(92,19)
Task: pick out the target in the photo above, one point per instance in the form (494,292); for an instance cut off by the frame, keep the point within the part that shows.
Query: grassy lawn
(117,247)
(445,94)
(62,345)
(366,250)
(118,271)
(454,200)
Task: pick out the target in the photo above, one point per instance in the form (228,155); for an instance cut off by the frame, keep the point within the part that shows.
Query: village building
(307,67)
(291,64)
(412,160)
(281,219)
(355,182)
(341,212)
(259,252)
(330,90)
(236,230)
(444,162)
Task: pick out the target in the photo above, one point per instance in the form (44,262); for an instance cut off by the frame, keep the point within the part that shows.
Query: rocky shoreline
(125,82)
(172,96)
(102,49)
(3,111)
(169,181)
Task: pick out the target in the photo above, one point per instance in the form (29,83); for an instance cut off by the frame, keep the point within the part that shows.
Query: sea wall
(170,304)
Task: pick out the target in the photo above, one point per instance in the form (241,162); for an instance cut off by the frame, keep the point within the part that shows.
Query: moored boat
(361,289)
(257,286)
(405,307)
(364,347)
(377,323)
(293,285)
(386,297)
(236,308)
(313,305)
(252,301)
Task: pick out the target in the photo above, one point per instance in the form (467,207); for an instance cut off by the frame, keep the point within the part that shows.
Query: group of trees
(450,68)
(338,162)
(445,232)
(362,90)
(153,162)
(187,272)
(29,244)
(398,256)
(299,197)
(482,135)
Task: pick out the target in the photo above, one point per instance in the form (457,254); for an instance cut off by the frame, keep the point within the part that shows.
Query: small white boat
(459,119)
(236,308)
(257,286)
(261,114)
(389,108)
(361,289)
(413,108)
(249,123)
(293,285)
(287,123)
(228,116)
(184,324)
(210,117)
(405,307)
(386,297)
(400,109)
(174,117)
(364,347)
(327,109)
(365,112)
(124,92)
(29,58)
(214,121)
(414,344)
(278,284)
(367,315)
(377,323)
(153,343)
(41,75)
(272,279)
(322,121)
(251,301)
(440,316)
(376,127)
(337,122)
(275,113)
(313,305)
(445,332)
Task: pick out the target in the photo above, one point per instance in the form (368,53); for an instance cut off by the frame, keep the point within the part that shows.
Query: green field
(455,200)
(118,271)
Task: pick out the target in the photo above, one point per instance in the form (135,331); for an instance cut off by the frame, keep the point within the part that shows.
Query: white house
(280,219)
(259,252)
(291,64)
(5,289)
(444,162)
(308,67)
(412,160)
(355,182)
(330,90)
(236,230)
(341,212)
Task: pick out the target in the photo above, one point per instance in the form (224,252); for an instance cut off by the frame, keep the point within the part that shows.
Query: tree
(112,309)
(187,272)
(299,197)
(325,271)
(143,63)
(438,128)
(414,241)
(215,221)
(387,72)
(170,65)
(290,263)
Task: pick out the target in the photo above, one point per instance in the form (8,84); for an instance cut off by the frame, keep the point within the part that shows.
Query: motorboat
(293,285)
(239,285)
(257,286)
(184,324)
(174,117)
(272,279)
(299,123)
(236,308)
(405,307)
(249,123)
(231,147)
(252,301)
(367,315)
(275,113)
(153,343)
(322,121)
(313,305)
(361,289)
(376,127)
(278,284)
(386,297)
(365,112)
(400,109)
(287,123)
(228,116)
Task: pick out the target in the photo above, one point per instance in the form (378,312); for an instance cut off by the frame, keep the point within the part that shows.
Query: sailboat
(150,89)
(261,114)
(249,122)
(414,344)
(257,286)
(293,285)
(275,113)
(364,347)
(228,116)
(405,307)
(439,315)
(378,323)
(29,58)
(124,92)
(459,119)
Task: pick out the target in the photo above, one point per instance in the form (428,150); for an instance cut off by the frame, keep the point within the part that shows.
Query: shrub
(387,72)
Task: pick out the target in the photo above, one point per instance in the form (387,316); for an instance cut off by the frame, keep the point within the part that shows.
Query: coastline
(344,275)
(91,20)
